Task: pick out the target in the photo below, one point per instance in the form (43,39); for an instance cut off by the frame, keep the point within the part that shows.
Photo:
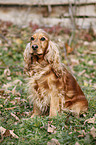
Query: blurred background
(70,13)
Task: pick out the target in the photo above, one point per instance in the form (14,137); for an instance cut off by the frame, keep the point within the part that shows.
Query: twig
(73,23)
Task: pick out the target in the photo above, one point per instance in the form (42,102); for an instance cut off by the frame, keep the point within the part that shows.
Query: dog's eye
(42,39)
(32,38)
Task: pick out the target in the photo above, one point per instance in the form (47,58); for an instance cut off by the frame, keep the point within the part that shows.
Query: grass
(65,128)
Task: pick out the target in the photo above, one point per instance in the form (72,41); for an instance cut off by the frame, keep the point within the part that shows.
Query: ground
(15,110)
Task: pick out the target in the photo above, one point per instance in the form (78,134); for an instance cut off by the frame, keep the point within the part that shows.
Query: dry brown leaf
(90,120)
(12,102)
(86,83)
(14,92)
(53,142)
(82,133)
(13,134)
(94,52)
(23,100)
(7,72)
(14,83)
(1,91)
(5,49)
(1,105)
(86,75)
(11,108)
(27,113)
(68,48)
(9,78)
(17,82)
(77,143)
(51,128)
(2,130)
(70,132)
(6,86)
(94,85)
(93,132)
(74,61)
(18,41)
(15,116)
(82,72)
(7,132)
(17,99)
(90,62)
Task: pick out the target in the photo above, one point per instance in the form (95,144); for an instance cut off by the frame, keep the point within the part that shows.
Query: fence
(70,13)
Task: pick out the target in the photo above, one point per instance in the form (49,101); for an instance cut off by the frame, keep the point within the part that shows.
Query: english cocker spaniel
(51,86)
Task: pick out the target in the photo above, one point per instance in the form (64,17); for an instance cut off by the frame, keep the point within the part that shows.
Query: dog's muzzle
(34,47)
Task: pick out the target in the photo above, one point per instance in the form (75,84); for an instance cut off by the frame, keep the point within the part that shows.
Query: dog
(51,87)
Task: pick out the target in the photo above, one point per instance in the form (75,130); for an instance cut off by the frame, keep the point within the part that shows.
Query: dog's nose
(34,47)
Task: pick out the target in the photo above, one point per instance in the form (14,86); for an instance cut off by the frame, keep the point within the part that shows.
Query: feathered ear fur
(27,57)
(53,58)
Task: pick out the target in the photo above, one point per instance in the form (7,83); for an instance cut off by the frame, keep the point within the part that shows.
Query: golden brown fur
(51,87)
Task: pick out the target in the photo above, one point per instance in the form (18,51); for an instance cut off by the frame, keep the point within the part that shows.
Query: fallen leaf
(74,61)
(14,92)
(27,113)
(17,82)
(5,49)
(1,105)
(14,83)
(94,52)
(77,143)
(2,130)
(11,108)
(93,132)
(18,41)
(15,116)
(90,62)
(7,72)
(13,134)
(82,133)
(85,83)
(17,99)
(70,132)
(86,43)
(94,85)
(12,102)
(68,48)
(51,128)
(1,91)
(53,142)
(90,120)
(7,132)
(23,100)
(8,78)
(10,133)
(82,72)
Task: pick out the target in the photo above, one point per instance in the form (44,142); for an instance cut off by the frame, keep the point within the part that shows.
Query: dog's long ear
(27,56)
(53,58)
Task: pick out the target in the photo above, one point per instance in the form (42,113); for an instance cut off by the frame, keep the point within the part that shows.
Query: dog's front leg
(54,105)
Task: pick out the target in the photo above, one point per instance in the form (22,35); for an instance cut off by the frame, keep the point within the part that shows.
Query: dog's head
(39,42)
(42,48)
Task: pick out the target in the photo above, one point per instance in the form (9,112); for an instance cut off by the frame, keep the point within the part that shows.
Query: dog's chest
(46,81)
(43,85)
